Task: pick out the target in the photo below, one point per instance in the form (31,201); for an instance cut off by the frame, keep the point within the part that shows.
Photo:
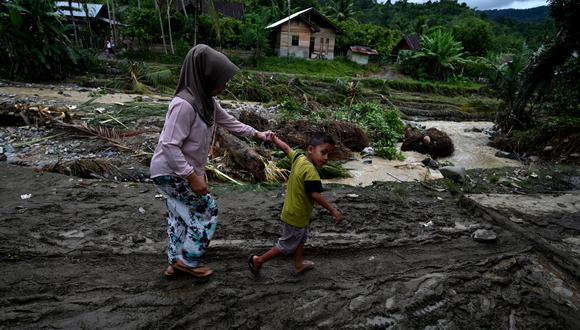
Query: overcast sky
(496,4)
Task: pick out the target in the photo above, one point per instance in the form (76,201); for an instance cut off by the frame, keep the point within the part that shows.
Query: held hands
(266,136)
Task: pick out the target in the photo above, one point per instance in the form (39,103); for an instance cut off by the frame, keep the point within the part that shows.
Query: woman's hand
(265,136)
(198,184)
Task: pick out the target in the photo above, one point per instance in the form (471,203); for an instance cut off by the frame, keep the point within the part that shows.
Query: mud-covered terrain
(89,254)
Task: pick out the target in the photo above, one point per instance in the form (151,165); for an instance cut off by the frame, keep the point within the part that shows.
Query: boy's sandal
(252,266)
(195,271)
(306,266)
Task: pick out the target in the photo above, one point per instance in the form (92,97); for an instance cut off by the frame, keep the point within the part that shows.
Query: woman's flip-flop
(169,272)
(195,271)
(306,266)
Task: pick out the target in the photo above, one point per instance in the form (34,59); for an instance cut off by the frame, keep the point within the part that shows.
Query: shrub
(383,125)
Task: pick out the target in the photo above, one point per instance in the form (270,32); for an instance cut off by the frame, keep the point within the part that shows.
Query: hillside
(530,15)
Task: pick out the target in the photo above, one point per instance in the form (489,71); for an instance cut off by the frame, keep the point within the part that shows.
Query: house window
(295,40)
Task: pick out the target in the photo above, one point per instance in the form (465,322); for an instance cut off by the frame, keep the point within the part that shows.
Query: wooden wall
(324,41)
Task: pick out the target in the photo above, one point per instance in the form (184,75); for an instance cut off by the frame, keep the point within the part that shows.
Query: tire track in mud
(96,263)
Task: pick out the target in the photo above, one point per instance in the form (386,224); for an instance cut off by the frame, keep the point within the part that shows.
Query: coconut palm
(537,76)
(340,10)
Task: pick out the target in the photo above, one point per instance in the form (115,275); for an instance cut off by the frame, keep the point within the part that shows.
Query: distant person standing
(178,164)
(108,48)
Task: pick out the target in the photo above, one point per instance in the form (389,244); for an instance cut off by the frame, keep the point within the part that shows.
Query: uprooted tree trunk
(242,154)
(348,136)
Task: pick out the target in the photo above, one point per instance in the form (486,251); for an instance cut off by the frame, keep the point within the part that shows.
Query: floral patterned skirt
(191,220)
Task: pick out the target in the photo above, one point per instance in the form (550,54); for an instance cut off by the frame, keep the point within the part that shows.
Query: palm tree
(158,9)
(537,77)
(341,10)
(169,3)
(439,53)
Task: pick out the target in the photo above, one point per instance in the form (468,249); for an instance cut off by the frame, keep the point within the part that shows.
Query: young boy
(304,188)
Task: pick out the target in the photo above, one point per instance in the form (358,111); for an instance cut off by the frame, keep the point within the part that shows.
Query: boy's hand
(337,215)
(265,136)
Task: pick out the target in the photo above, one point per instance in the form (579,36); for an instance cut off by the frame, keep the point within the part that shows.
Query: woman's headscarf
(204,69)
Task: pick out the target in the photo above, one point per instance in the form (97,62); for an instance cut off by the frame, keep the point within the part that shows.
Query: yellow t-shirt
(303,181)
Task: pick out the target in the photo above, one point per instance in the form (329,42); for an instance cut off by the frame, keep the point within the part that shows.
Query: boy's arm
(318,198)
(281,145)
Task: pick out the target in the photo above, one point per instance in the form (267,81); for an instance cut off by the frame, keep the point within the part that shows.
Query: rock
(575,155)
(368,151)
(428,162)
(367,161)
(504,182)
(516,219)
(548,148)
(534,159)
(484,235)
(508,155)
(455,173)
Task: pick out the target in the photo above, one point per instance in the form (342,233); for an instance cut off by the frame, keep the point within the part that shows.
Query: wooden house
(305,34)
(360,54)
(407,42)
(85,16)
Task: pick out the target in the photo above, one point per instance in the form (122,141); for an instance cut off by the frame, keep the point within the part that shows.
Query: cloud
(496,4)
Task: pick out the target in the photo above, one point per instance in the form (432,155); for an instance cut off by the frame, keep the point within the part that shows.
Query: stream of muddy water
(471,151)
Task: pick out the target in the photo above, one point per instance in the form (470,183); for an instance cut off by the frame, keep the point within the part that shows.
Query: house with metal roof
(407,42)
(79,11)
(360,54)
(304,34)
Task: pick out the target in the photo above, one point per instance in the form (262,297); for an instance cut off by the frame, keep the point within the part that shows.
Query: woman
(178,164)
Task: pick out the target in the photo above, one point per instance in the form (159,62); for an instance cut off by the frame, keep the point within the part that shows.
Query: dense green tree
(377,37)
(142,25)
(33,43)
(475,35)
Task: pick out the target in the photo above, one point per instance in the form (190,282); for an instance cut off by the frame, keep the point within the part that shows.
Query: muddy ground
(84,253)
(89,254)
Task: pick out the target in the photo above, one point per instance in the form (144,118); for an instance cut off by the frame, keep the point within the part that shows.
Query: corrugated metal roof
(318,17)
(363,50)
(78,9)
(286,19)
(413,41)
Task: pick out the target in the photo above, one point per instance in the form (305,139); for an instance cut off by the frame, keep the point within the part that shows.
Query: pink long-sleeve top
(184,141)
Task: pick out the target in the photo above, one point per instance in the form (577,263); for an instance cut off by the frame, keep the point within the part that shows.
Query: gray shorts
(291,238)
